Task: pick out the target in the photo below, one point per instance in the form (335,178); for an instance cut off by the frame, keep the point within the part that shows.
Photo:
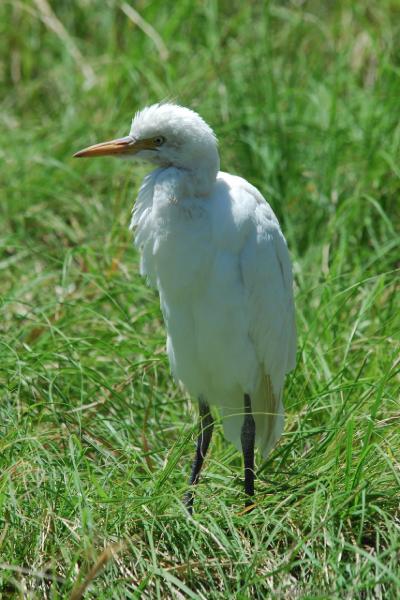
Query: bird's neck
(202,173)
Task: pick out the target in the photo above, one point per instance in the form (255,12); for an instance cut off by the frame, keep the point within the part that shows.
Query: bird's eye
(159,140)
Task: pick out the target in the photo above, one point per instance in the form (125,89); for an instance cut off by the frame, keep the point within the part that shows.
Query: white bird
(212,246)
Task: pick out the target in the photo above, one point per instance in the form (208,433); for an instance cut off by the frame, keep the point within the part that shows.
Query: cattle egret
(212,246)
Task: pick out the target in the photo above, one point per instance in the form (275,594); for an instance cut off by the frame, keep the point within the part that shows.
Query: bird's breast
(182,246)
(174,237)
(172,231)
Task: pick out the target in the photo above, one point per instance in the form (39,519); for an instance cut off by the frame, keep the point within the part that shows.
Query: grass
(96,439)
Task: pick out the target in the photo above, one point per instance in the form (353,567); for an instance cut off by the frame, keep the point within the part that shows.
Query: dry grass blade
(107,554)
(148,29)
(50,19)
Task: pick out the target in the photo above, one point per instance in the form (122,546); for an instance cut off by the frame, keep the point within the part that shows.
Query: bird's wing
(267,279)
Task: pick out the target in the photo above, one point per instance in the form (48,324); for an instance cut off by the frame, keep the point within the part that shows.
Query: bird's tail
(269,415)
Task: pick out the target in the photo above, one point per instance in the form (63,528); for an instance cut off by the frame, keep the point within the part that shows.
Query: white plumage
(213,248)
(220,263)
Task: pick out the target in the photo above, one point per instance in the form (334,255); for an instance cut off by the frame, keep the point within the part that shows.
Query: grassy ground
(96,439)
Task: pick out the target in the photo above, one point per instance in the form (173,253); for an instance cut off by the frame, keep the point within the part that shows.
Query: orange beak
(125,145)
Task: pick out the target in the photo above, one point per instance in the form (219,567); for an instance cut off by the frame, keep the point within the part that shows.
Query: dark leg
(247,438)
(206,426)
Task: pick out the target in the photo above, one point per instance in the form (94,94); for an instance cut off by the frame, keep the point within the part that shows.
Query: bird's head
(167,135)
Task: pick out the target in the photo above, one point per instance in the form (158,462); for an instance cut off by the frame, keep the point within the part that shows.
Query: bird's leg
(247,438)
(206,425)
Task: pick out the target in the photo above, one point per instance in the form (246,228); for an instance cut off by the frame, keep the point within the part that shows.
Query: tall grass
(96,439)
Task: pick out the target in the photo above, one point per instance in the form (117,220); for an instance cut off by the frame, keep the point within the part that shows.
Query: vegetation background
(96,439)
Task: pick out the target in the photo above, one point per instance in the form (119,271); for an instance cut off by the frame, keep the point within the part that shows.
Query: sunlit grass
(96,439)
